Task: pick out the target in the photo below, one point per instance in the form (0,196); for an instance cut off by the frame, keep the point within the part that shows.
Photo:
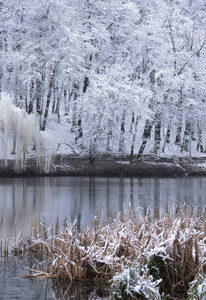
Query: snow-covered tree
(127,77)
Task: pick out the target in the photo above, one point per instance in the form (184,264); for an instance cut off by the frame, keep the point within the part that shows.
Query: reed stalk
(172,246)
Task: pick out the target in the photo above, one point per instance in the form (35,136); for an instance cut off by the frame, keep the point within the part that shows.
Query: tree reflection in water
(79,290)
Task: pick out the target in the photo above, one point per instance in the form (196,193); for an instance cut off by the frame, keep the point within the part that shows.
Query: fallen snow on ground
(202,165)
(123,162)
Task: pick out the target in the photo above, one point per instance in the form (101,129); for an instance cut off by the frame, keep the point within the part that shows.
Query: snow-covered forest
(115,77)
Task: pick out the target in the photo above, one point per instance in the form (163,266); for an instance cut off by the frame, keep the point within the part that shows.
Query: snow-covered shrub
(159,261)
(134,283)
(197,289)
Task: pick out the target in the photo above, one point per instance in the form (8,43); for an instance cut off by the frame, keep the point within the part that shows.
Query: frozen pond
(67,198)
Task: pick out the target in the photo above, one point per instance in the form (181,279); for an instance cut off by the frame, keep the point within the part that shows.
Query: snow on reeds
(172,248)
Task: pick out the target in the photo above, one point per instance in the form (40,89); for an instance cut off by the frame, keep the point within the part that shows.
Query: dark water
(61,198)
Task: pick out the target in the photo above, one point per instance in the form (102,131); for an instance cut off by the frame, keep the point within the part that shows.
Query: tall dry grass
(173,246)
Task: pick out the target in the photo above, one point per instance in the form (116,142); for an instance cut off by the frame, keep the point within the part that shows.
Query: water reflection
(78,197)
(81,197)
(14,287)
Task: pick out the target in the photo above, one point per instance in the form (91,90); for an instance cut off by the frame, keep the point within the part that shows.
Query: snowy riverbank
(148,166)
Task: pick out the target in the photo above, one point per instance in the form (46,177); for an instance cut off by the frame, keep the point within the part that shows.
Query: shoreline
(146,166)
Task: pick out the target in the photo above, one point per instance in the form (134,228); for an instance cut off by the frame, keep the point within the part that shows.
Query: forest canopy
(123,77)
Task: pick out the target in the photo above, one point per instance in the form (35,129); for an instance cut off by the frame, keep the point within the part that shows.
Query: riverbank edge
(146,166)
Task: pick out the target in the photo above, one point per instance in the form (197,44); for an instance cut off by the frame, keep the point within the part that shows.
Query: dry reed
(173,247)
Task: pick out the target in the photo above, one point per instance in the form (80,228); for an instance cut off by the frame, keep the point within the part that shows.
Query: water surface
(81,197)
(68,198)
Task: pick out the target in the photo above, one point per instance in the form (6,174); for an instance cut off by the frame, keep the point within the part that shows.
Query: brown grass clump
(173,247)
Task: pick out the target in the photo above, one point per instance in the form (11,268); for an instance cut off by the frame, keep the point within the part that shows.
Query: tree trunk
(167,138)
(179,120)
(122,132)
(59,95)
(157,133)
(74,115)
(79,126)
(38,95)
(67,98)
(134,138)
(186,139)
(86,79)
(30,99)
(92,151)
(86,83)
(199,144)
(93,143)
(109,134)
(1,78)
(51,85)
(146,136)
(14,145)
(54,97)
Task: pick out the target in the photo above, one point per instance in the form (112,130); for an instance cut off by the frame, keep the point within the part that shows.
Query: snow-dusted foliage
(198,288)
(134,283)
(123,77)
(20,136)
